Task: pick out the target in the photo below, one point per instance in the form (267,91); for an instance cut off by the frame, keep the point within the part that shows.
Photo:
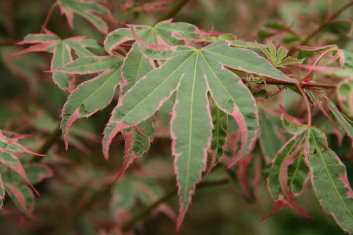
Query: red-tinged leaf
(137,142)
(291,124)
(90,10)
(329,178)
(14,164)
(22,196)
(291,148)
(90,97)
(11,145)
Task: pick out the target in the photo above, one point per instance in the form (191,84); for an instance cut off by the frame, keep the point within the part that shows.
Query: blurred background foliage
(80,199)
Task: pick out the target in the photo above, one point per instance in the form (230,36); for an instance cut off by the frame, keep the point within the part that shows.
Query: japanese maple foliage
(214,88)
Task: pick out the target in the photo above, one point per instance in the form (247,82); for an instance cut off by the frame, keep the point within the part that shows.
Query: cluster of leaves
(16,179)
(198,77)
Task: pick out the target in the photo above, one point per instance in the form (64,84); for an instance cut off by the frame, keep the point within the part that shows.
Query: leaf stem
(129,225)
(50,12)
(178,5)
(306,102)
(303,84)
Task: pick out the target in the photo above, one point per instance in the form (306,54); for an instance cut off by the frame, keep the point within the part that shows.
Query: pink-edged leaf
(291,124)
(62,53)
(291,148)
(137,142)
(329,178)
(14,164)
(164,33)
(90,97)
(90,10)
(11,145)
(192,74)
(22,196)
(62,56)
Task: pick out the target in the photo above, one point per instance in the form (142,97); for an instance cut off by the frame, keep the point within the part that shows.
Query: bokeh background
(79,198)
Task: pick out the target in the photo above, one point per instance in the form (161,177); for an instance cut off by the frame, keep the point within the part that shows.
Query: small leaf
(62,53)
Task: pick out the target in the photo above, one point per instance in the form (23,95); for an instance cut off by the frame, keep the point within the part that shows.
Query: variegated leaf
(192,73)
(62,50)
(88,9)
(22,196)
(329,178)
(90,97)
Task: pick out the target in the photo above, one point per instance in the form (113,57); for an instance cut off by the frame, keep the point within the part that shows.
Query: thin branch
(51,140)
(327,22)
(178,5)
(130,224)
(10,43)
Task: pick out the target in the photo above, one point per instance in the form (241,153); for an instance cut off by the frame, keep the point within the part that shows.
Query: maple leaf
(90,10)
(329,179)
(192,74)
(135,66)
(62,53)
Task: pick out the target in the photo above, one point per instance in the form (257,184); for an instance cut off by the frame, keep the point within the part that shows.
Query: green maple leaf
(192,74)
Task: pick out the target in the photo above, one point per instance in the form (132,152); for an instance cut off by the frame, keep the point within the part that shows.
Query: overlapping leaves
(308,151)
(192,74)
(16,179)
